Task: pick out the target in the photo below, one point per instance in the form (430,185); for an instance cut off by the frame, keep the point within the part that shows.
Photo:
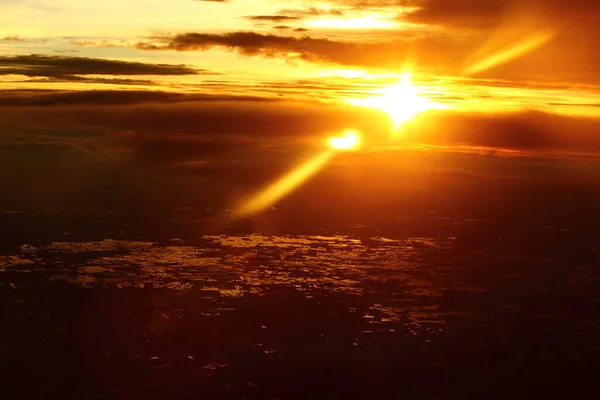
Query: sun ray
(285,185)
(276,191)
(518,49)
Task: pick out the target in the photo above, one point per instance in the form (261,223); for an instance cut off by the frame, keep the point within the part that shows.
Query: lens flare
(271,194)
(518,49)
(285,185)
(347,142)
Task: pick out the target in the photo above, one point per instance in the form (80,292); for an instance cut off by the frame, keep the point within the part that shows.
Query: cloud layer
(176,128)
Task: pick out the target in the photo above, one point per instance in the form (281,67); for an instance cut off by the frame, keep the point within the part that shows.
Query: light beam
(285,185)
(522,47)
(273,193)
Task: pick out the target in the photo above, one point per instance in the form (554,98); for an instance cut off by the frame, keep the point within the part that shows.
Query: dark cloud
(489,13)
(525,131)
(54,141)
(287,27)
(498,25)
(84,79)
(108,97)
(123,156)
(165,127)
(475,13)
(387,52)
(161,148)
(60,66)
(252,119)
(178,131)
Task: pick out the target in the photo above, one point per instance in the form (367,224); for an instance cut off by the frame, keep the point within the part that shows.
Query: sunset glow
(296,199)
(305,50)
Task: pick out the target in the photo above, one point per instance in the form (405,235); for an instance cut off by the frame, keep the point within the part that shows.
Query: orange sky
(494,56)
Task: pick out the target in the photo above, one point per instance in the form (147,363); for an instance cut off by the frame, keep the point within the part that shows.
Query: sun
(401,101)
(348,141)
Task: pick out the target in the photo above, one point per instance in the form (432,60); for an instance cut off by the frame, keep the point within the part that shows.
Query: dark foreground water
(301,316)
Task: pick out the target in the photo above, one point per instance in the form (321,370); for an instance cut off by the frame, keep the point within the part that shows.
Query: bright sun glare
(401,101)
(348,141)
